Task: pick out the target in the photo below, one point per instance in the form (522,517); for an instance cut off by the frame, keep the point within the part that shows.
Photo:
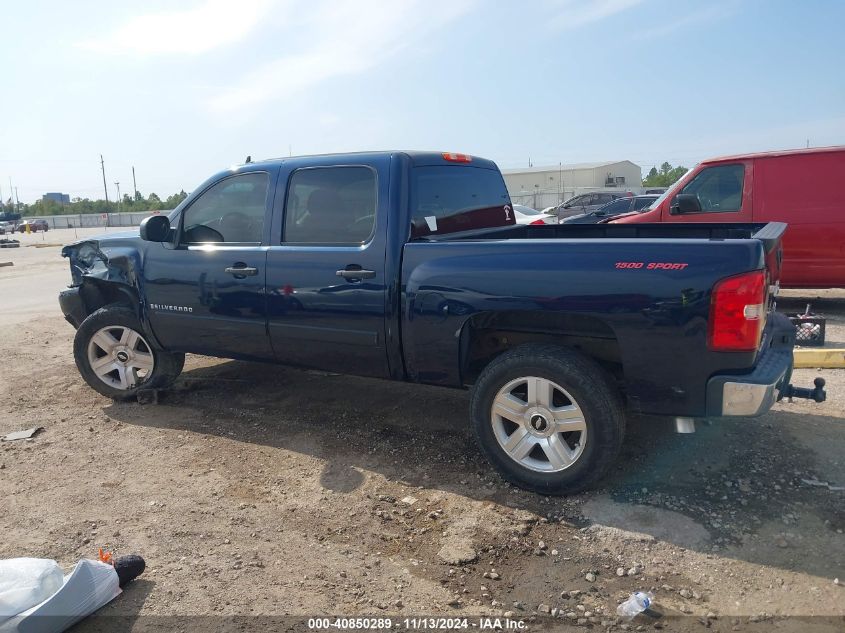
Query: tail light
(738,313)
(457,158)
(538,222)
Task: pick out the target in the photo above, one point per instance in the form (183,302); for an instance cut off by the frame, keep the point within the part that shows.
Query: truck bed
(643,287)
(767,233)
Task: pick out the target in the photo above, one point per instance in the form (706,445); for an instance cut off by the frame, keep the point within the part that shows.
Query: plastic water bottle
(638,602)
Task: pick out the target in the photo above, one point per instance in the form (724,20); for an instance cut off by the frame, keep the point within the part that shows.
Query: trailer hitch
(818,394)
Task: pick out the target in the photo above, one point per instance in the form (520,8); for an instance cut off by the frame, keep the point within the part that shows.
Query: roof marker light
(457,158)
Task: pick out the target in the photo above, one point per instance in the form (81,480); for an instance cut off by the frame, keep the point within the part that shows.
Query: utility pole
(103,168)
(117,184)
(134,186)
(17,201)
(559,182)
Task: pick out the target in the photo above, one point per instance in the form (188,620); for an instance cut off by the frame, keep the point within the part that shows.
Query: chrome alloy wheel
(538,424)
(120,357)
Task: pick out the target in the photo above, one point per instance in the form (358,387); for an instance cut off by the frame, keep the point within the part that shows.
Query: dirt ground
(260,490)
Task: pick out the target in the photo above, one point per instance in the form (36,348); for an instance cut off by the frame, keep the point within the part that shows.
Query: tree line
(127,204)
(666,176)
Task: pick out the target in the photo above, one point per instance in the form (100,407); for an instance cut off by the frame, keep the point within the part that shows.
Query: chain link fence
(83,220)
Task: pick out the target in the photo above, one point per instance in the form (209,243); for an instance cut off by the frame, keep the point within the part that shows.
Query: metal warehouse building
(540,187)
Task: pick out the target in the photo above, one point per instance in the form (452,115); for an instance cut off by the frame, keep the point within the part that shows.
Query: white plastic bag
(88,587)
(26,582)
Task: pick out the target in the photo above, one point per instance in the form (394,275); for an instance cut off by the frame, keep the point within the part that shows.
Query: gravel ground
(259,490)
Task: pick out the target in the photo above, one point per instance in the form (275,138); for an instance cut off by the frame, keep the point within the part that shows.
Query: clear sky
(183,89)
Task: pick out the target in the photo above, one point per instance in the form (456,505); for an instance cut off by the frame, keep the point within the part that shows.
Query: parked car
(34,226)
(800,187)
(7,227)
(611,209)
(657,190)
(587,202)
(527,215)
(315,261)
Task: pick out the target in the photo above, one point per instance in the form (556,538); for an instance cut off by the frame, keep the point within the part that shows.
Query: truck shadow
(736,487)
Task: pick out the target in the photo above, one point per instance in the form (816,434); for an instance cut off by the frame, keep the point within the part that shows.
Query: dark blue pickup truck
(409,266)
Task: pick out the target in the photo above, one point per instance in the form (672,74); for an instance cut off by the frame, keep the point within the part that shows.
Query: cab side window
(230,211)
(718,188)
(330,205)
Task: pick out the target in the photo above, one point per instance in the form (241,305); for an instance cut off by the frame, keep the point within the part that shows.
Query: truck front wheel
(116,359)
(548,418)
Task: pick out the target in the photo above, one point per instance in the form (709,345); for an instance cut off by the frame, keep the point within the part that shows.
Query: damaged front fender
(102,273)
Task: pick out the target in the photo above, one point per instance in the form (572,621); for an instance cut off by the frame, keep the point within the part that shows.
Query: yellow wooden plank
(824,358)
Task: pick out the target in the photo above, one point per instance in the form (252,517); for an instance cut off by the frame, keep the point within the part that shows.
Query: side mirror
(155,228)
(685,203)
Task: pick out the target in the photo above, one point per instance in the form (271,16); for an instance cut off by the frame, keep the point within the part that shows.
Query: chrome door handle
(356,274)
(244,271)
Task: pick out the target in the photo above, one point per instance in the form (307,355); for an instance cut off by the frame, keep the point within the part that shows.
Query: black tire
(587,382)
(166,368)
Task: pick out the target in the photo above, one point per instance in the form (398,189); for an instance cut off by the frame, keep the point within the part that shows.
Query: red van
(804,188)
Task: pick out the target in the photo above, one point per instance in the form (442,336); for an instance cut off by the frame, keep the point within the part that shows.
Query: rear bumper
(754,393)
(72,306)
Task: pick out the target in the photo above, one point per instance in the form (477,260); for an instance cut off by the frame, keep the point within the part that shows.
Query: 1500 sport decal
(653,265)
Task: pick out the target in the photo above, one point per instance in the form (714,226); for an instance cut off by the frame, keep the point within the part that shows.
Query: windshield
(671,190)
(526,210)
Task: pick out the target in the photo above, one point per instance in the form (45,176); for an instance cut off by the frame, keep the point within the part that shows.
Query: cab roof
(785,152)
(417,158)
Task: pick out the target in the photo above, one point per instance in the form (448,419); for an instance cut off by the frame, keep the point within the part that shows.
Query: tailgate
(771,237)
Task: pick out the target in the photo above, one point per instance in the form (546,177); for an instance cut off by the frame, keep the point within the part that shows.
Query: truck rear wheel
(115,358)
(547,418)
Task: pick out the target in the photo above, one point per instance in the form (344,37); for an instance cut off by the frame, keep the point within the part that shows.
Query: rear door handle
(355,274)
(241,271)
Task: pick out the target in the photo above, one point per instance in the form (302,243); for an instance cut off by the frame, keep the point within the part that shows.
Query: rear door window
(718,188)
(450,199)
(331,205)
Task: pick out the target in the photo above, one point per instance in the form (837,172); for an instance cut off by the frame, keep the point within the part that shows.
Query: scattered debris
(22,435)
(822,484)
(2,264)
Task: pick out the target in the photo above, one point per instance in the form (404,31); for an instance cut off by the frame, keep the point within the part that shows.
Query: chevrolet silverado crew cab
(409,266)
